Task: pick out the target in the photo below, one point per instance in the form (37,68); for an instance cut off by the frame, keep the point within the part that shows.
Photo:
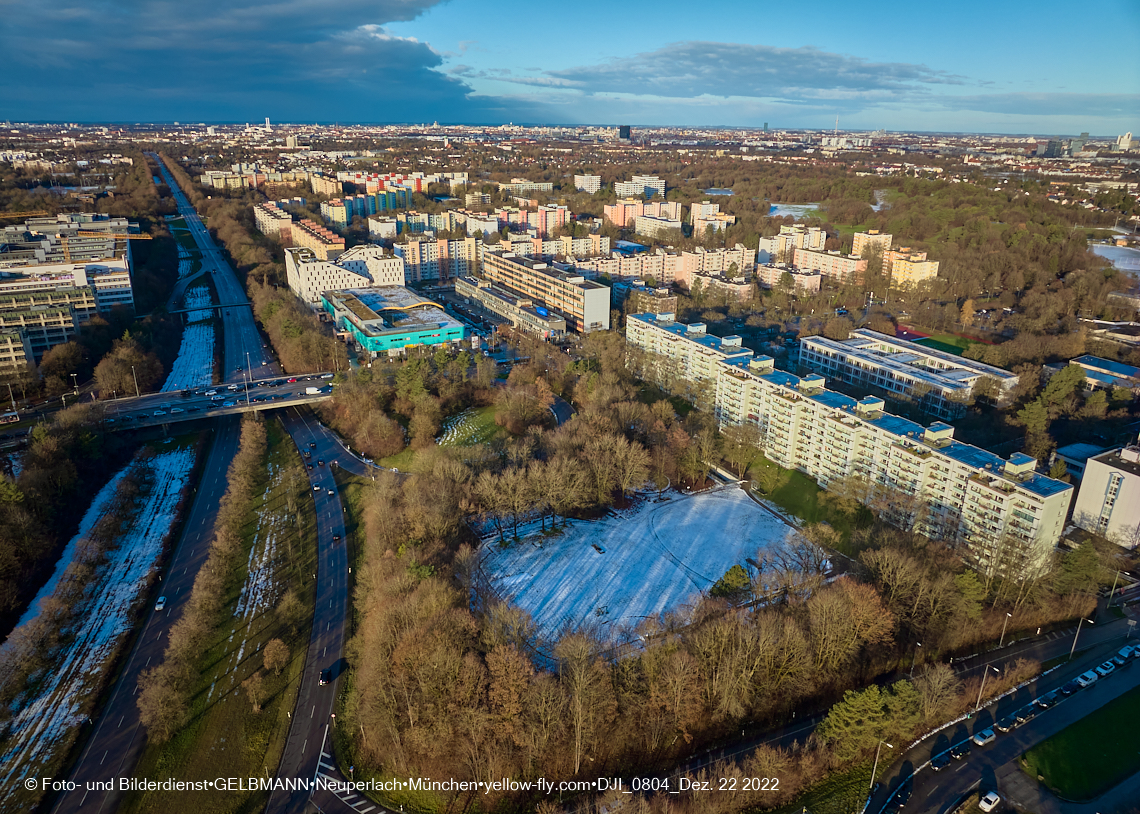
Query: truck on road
(312,391)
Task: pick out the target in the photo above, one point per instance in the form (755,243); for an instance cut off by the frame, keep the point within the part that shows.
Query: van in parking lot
(1087,679)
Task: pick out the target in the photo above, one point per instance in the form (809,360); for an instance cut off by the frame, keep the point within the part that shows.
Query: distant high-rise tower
(267,127)
(765,127)
(623,132)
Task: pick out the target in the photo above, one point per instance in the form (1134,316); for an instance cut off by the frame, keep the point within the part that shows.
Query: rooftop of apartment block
(903,354)
(695,332)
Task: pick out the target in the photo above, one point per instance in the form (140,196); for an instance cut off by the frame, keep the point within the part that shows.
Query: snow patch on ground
(458,429)
(185,259)
(613,573)
(43,722)
(194,366)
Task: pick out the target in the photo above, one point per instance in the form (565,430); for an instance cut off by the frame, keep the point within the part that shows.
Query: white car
(989,801)
(1105,669)
(1087,678)
(160,604)
(984,738)
(159,412)
(210,393)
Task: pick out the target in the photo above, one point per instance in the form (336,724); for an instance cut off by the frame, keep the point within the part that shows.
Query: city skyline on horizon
(983,70)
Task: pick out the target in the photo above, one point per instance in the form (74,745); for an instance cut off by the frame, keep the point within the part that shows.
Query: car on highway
(336,538)
(228,404)
(327,376)
(330,492)
(159,412)
(989,801)
(210,393)
(940,762)
(174,410)
(960,750)
(310,466)
(292,380)
(1007,723)
(217,398)
(325,676)
(320,462)
(984,738)
(312,445)
(160,604)
(316,487)
(1106,669)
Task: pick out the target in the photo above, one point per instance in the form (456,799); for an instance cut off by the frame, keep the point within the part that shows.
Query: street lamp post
(136,378)
(1112,593)
(75,383)
(985,675)
(1073,649)
(876,766)
(13,398)
(1008,616)
(914,659)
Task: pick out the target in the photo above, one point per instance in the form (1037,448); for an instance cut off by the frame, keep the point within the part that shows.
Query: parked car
(1047,700)
(1106,669)
(940,762)
(1026,713)
(1069,688)
(1007,723)
(989,801)
(1087,679)
(984,738)
(960,750)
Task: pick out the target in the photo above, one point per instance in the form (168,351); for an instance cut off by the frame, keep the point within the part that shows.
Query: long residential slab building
(584,304)
(1002,512)
(941,383)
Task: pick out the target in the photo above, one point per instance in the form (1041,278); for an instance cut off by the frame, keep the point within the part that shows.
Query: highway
(308,749)
(114,746)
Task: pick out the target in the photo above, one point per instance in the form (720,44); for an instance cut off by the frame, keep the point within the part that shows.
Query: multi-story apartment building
(717,222)
(427,259)
(588,183)
(584,304)
(624,213)
(521,312)
(476,199)
(843,268)
(871,239)
(715,262)
(383,228)
(682,357)
(1108,502)
(704,209)
(907,268)
(803,282)
(781,248)
(326,186)
(640,186)
(271,219)
(1001,513)
(335,212)
(518,186)
(654,227)
(308,275)
(941,383)
(325,244)
(481,225)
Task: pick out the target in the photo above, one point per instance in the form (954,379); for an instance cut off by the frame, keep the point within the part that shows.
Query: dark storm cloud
(226,60)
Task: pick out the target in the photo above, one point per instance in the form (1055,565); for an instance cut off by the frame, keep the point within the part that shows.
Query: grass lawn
(947,343)
(471,427)
(799,495)
(841,793)
(224,737)
(1087,758)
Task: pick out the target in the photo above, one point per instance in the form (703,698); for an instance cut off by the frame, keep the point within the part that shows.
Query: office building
(521,312)
(802,282)
(325,244)
(941,383)
(640,186)
(15,351)
(588,183)
(781,248)
(41,328)
(871,239)
(584,304)
(308,275)
(843,268)
(387,320)
(431,260)
(1108,502)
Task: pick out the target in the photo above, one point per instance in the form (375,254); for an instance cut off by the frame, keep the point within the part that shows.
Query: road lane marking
(104,756)
(120,722)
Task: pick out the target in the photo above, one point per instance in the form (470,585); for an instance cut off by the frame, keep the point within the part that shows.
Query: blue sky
(1043,68)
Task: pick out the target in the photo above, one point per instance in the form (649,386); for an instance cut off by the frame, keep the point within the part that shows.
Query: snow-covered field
(185,261)
(40,724)
(459,428)
(194,366)
(612,573)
